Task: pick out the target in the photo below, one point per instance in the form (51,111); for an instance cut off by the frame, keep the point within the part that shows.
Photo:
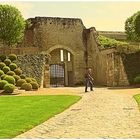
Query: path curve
(100,114)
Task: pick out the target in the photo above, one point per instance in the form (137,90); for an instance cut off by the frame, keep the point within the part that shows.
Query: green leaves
(12,25)
(132,27)
(108,42)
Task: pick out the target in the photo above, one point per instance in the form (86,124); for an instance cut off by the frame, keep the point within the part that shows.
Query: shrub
(137,80)
(16,77)
(3,76)
(28,80)
(22,76)
(6,69)
(33,80)
(12,57)
(10,79)
(34,85)
(108,42)
(20,82)
(9,88)
(2,65)
(1,72)
(7,62)
(13,66)
(26,86)
(2,57)
(10,73)
(18,71)
(3,83)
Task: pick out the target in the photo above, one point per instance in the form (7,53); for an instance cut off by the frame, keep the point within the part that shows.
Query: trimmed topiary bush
(10,73)
(22,76)
(3,83)
(28,80)
(9,88)
(2,76)
(2,57)
(18,71)
(137,80)
(12,57)
(6,69)
(34,85)
(16,77)
(2,65)
(1,72)
(26,86)
(20,82)
(10,79)
(33,80)
(12,66)
(7,62)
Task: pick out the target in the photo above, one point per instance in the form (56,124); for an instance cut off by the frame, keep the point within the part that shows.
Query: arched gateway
(61,66)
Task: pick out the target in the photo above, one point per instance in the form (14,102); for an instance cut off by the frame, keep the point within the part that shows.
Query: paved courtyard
(104,113)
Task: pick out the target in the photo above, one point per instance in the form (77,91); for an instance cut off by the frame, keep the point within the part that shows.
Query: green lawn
(21,113)
(137,98)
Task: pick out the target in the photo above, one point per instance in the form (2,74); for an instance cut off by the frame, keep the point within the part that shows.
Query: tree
(12,25)
(132,27)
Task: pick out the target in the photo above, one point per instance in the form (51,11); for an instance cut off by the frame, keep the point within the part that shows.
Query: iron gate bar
(57,75)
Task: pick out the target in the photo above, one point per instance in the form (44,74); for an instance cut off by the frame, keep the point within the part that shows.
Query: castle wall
(48,33)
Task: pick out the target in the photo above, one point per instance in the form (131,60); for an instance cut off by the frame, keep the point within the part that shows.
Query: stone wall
(33,65)
(131,64)
(49,34)
(114,35)
(116,74)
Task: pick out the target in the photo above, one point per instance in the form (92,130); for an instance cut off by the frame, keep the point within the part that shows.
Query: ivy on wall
(32,65)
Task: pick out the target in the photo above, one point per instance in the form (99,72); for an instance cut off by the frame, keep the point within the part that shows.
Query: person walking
(89,80)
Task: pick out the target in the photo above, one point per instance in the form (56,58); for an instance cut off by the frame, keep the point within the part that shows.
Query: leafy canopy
(12,25)
(132,27)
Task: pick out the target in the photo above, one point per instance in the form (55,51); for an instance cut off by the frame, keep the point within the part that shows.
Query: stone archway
(57,66)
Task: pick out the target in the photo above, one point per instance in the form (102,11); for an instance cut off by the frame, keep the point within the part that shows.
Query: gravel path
(103,113)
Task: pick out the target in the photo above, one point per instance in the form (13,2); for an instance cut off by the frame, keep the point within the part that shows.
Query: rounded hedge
(2,65)
(2,57)
(10,79)
(3,76)
(18,71)
(137,80)
(10,73)
(20,82)
(12,66)
(9,88)
(1,72)
(12,57)
(26,86)
(33,80)
(28,80)
(3,83)
(6,69)
(7,62)
(16,77)
(34,85)
(22,76)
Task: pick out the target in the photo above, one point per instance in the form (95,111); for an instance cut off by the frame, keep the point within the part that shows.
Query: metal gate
(57,75)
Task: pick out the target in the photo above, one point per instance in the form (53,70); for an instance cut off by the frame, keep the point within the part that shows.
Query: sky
(103,15)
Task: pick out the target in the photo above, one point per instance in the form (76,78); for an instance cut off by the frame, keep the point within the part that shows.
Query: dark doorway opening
(57,75)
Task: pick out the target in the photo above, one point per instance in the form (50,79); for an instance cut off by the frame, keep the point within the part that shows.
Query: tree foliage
(12,25)
(132,27)
(108,42)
